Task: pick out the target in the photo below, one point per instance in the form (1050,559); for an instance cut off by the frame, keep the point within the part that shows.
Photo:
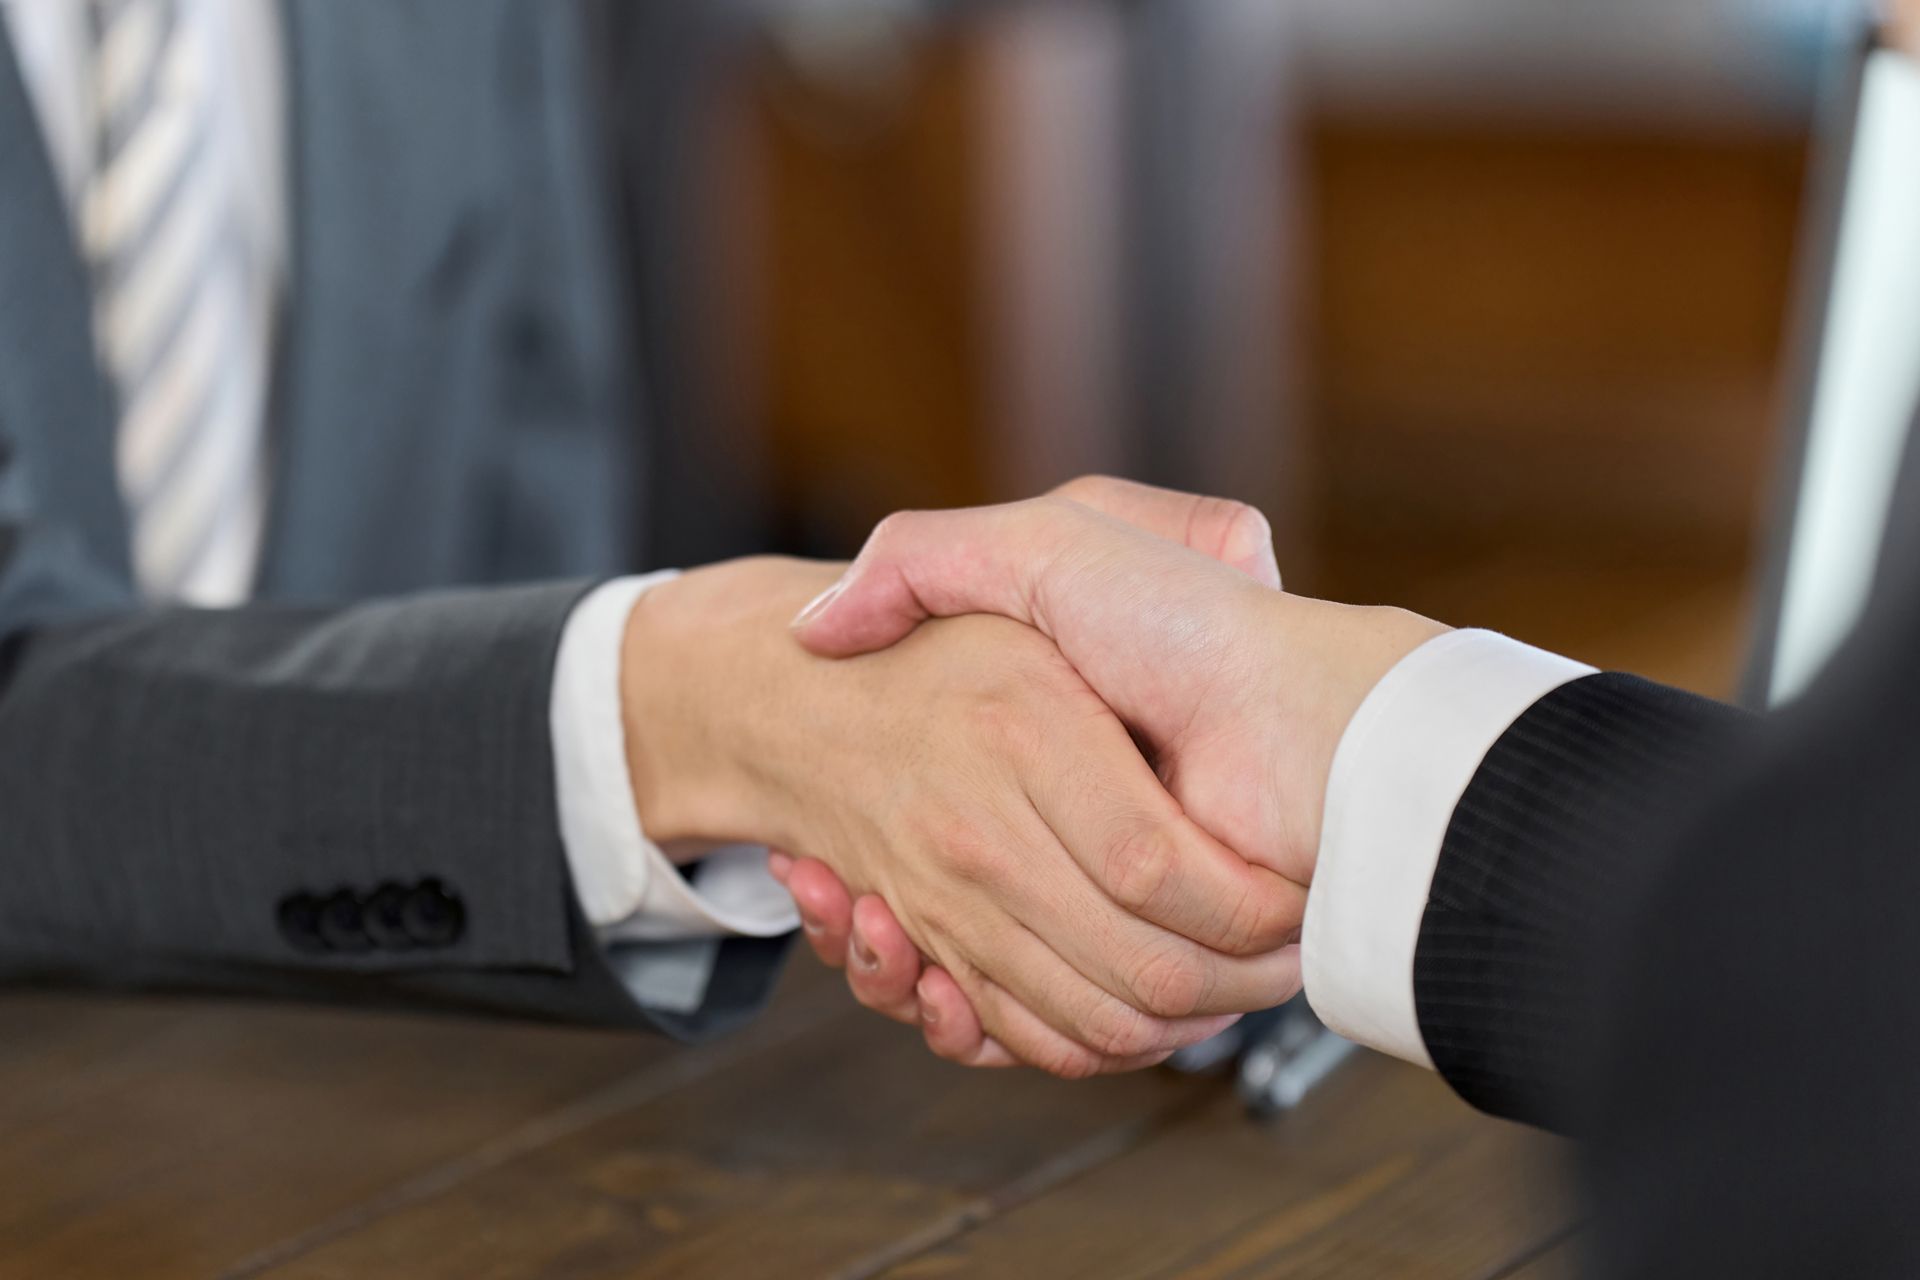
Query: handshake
(1076,832)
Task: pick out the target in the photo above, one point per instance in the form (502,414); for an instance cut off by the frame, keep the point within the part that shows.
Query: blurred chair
(1211,134)
(673,136)
(1126,250)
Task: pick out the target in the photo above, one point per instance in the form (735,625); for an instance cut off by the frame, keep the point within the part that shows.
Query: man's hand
(970,778)
(1238,692)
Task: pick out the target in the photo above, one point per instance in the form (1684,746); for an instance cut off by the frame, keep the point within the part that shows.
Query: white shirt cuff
(1398,772)
(627,887)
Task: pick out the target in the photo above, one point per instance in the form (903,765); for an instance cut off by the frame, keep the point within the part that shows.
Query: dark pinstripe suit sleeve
(1558,820)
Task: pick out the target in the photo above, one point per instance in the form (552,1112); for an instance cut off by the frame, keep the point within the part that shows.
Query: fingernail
(813,928)
(929,1015)
(863,953)
(817,605)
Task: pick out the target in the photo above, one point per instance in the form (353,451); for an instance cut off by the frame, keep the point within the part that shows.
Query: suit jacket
(195,797)
(1690,936)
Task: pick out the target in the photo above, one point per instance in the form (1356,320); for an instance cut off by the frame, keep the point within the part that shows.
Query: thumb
(927,564)
(931,564)
(1234,533)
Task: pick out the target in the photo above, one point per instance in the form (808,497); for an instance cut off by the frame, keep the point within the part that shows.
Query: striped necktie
(159,227)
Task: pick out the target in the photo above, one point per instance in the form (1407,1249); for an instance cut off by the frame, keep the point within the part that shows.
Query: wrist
(1360,645)
(712,689)
(1335,655)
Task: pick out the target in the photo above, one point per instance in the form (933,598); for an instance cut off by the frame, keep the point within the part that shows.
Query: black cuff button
(434,916)
(385,918)
(341,924)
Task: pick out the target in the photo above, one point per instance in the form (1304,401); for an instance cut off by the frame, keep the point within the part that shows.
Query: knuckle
(1233,528)
(1069,1063)
(1244,520)
(955,837)
(1264,918)
(1141,866)
(891,529)
(997,716)
(968,853)
(1244,933)
(1004,720)
(1172,983)
(1119,1031)
(1243,532)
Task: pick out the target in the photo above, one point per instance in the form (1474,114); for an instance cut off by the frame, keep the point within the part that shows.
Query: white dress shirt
(627,886)
(1398,773)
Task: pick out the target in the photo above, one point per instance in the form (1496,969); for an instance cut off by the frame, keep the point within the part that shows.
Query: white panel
(1868,381)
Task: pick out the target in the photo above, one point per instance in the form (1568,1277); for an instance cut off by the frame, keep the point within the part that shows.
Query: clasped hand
(1189,844)
(1077,834)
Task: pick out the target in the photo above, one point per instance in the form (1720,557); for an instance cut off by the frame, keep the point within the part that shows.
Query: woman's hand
(970,778)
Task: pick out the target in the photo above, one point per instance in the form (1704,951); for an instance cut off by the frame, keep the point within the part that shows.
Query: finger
(1292,982)
(779,864)
(918,565)
(826,909)
(1048,1014)
(1030,1038)
(1141,964)
(1154,866)
(925,564)
(994,1055)
(883,964)
(1231,532)
(950,1026)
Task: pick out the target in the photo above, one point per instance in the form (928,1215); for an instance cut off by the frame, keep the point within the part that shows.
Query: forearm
(1569,818)
(200,783)
(1331,657)
(1490,803)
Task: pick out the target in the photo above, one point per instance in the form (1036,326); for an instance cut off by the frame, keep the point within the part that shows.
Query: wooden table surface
(172,1137)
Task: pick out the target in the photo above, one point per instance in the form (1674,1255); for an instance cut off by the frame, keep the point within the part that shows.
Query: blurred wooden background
(1515,345)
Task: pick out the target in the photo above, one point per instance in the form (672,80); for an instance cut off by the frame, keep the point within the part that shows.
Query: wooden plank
(176,1137)
(830,1157)
(1381,1174)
